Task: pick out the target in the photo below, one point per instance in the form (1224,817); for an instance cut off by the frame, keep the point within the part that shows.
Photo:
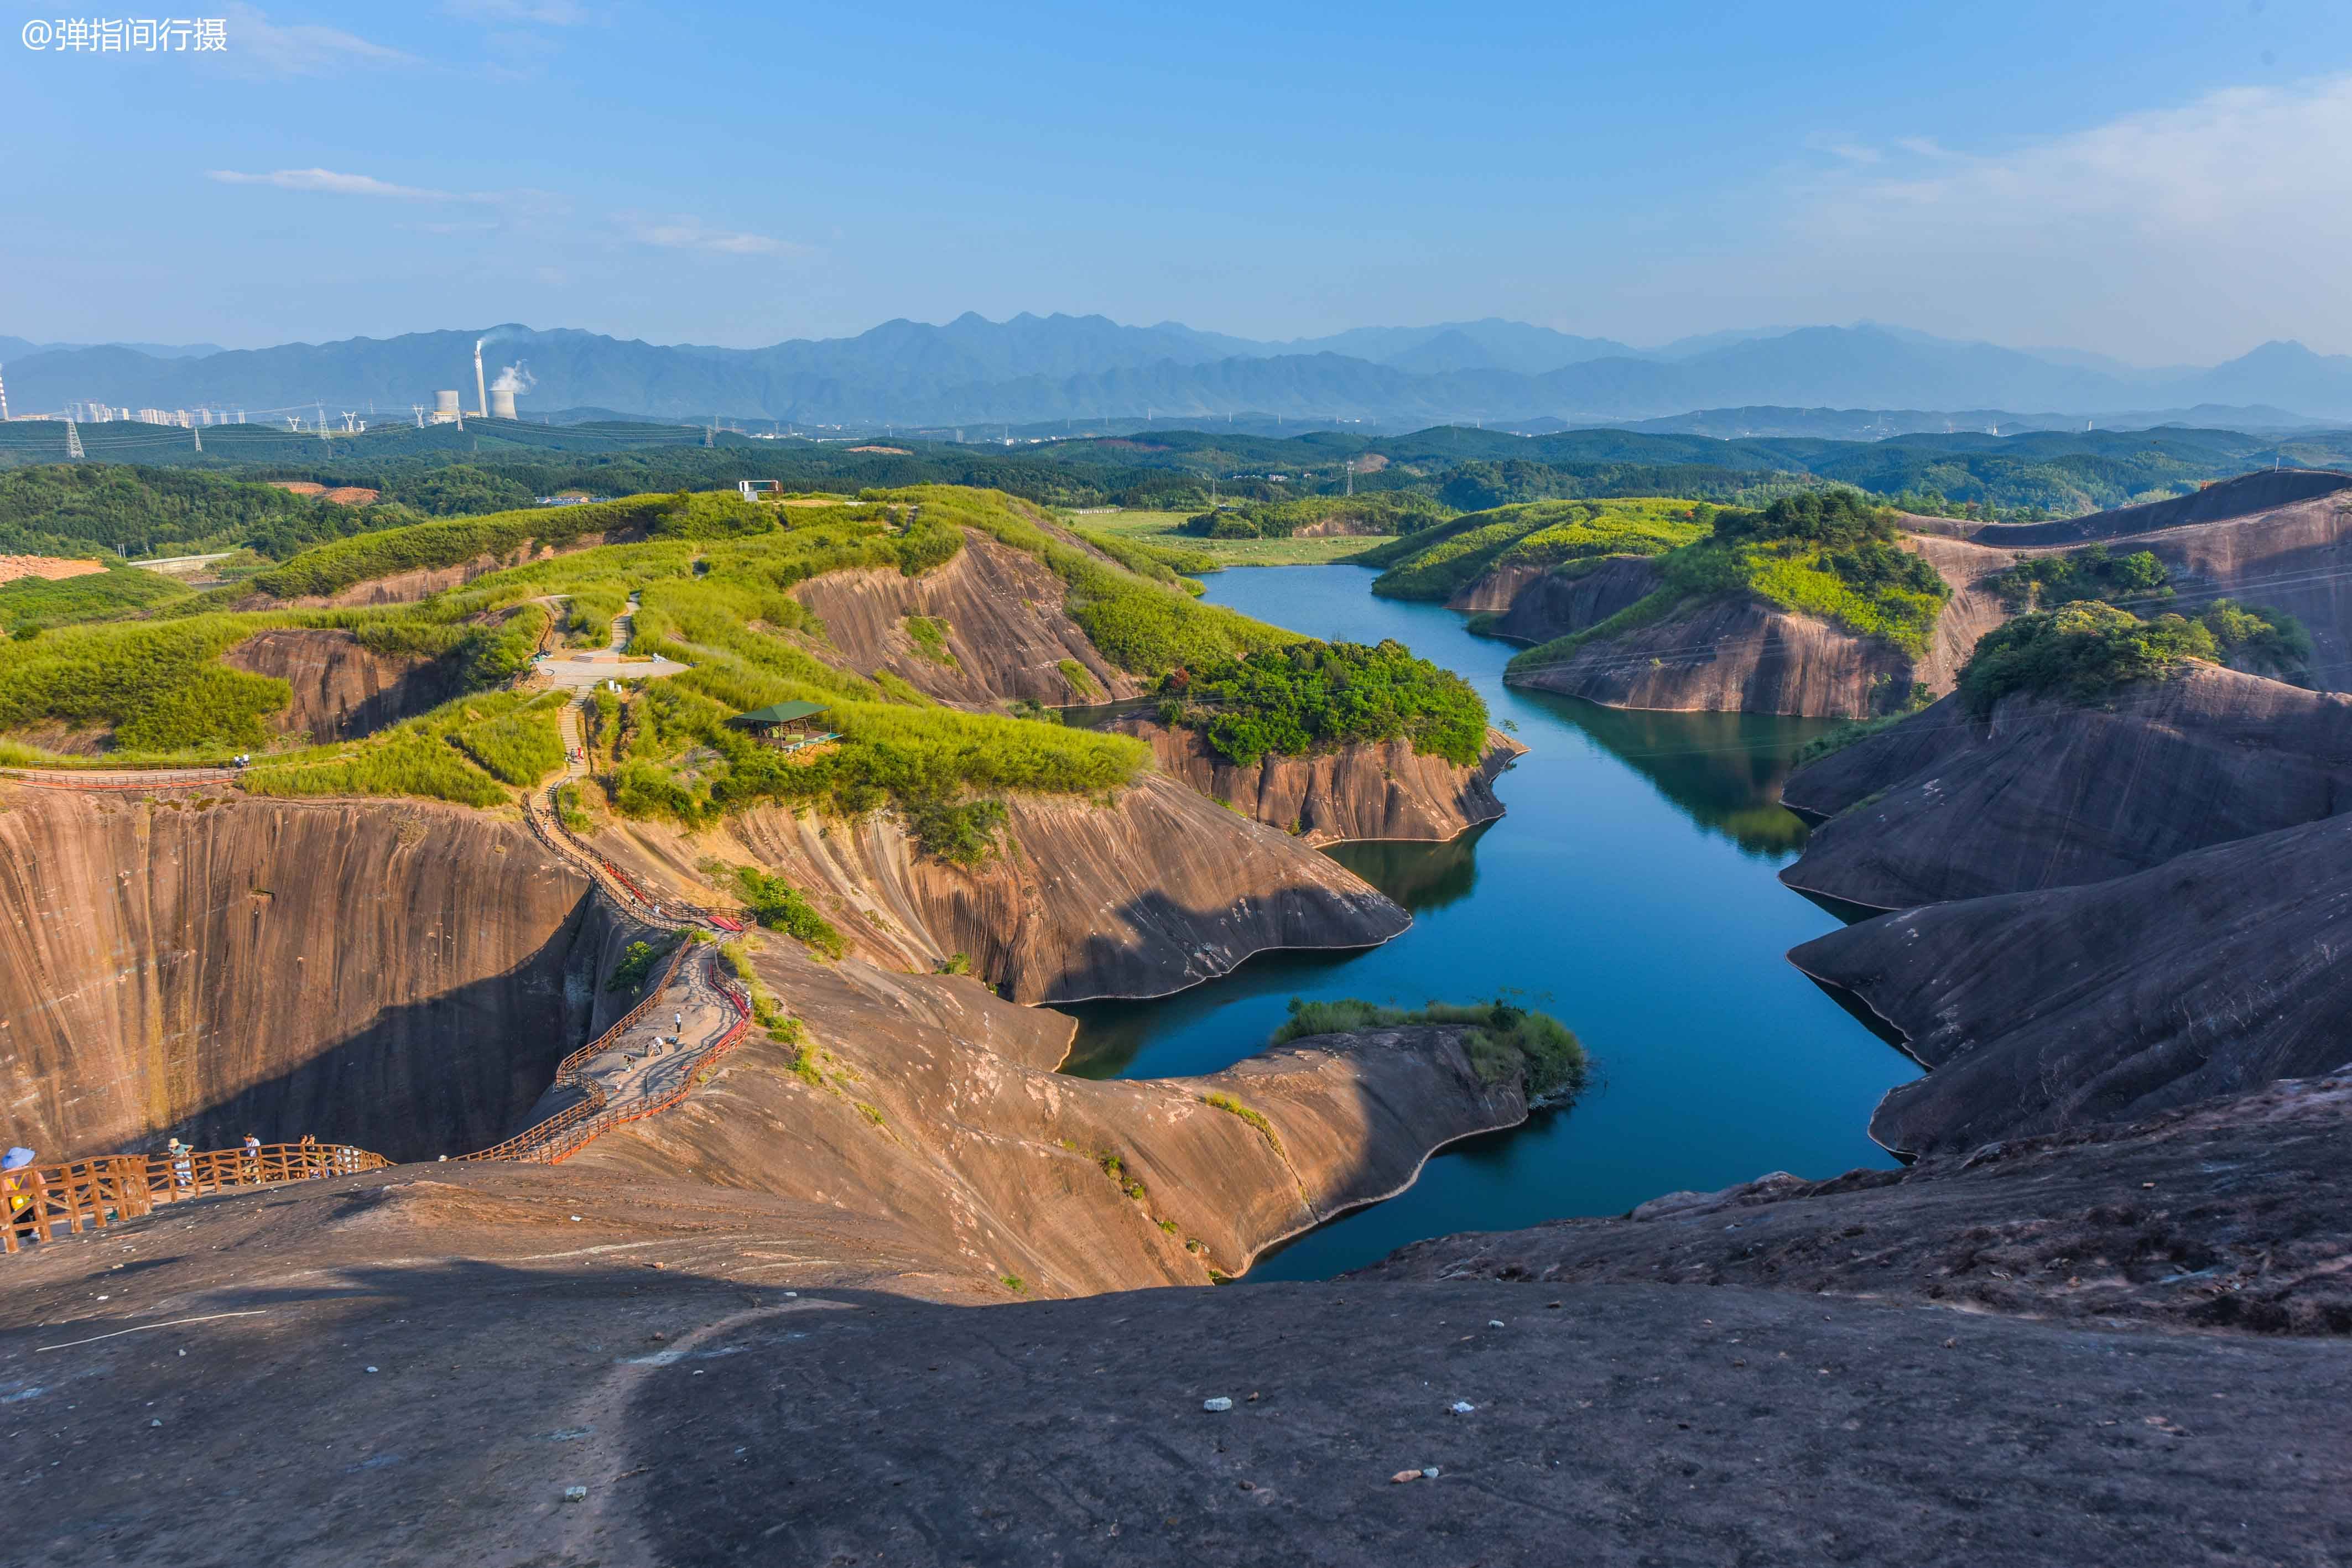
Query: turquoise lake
(1629,890)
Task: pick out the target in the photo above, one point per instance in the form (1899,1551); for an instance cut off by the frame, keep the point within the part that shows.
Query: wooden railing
(524,1144)
(44,1201)
(171,778)
(570,1140)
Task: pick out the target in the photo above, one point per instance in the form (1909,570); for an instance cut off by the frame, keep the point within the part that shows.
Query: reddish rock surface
(1737,653)
(340,689)
(1004,622)
(1155,889)
(1356,792)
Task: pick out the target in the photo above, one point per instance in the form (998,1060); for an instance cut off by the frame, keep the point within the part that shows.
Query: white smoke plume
(514,378)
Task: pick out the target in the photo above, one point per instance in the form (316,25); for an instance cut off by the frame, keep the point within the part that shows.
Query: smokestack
(481,397)
(501,403)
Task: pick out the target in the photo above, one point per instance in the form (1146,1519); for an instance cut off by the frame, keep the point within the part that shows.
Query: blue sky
(2159,182)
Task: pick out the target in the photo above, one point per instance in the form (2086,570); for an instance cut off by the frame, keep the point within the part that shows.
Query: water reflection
(1722,770)
(1423,876)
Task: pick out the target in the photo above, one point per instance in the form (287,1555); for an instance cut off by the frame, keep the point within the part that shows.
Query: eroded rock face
(400,977)
(929,1100)
(408,587)
(2049,793)
(2230,1214)
(1003,626)
(2282,539)
(2208,975)
(1734,653)
(1535,605)
(1158,889)
(340,689)
(1384,791)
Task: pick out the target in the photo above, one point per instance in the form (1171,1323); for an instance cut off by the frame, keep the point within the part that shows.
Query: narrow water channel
(1630,891)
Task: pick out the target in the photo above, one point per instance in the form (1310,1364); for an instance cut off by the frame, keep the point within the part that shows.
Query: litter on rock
(1219,1403)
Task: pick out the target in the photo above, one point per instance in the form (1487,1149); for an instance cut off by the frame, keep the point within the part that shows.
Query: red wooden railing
(42,1201)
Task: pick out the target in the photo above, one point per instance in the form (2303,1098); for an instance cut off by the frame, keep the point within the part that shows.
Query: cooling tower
(501,403)
(445,407)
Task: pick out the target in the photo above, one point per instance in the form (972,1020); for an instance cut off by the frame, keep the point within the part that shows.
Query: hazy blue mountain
(1706,342)
(17,347)
(1044,368)
(1491,344)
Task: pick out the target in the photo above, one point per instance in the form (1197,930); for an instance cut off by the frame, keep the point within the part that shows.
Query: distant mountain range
(1033,369)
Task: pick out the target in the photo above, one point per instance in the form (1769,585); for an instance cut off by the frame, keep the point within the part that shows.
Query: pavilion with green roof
(788,725)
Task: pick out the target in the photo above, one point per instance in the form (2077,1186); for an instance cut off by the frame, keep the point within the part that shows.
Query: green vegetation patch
(1375,512)
(521,747)
(777,905)
(2093,572)
(1315,696)
(1547,534)
(2087,650)
(1256,1118)
(30,603)
(436,756)
(637,963)
(159,686)
(1163,564)
(1829,554)
(930,637)
(1083,685)
(1505,1040)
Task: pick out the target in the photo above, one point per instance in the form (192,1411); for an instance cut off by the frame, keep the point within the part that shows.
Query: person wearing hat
(19,1190)
(182,1175)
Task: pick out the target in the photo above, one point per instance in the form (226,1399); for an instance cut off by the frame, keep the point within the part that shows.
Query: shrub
(2079,652)
(1083,685)
(1549,534)
(637,963)
(1312,695)
(1232,1106)
(1504,1040)
(963,833)
(774,903)
(930,637)
(2093,572)
(520,747)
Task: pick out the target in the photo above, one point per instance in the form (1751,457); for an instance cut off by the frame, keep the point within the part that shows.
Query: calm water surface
(1630,891)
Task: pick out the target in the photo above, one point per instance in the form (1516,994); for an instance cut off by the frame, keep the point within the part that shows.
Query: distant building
(760,489)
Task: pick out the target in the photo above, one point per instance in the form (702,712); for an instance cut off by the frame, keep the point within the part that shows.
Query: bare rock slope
(341,688)
(209,967)
(1158,889)
(2229,1214)
(1002,630)
(1737,653)
(2044,792)
(2210,974)
(1386,791)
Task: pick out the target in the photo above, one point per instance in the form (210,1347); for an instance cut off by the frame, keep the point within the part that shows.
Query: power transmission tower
(73,441)
(1351,475)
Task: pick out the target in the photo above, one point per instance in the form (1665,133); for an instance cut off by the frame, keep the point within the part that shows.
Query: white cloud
(692,234)
(516,205)
(258,46)
(2197,229)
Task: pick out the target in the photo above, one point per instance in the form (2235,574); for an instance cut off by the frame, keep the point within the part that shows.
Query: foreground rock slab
(714,1417)
(2230,1214)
